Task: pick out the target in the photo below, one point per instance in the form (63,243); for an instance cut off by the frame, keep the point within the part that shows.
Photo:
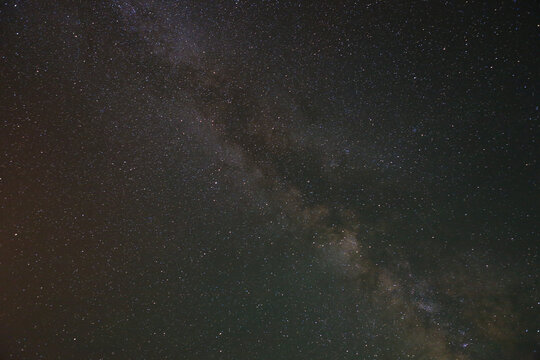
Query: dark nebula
(269,180)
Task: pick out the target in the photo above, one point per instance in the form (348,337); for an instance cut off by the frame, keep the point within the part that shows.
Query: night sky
(269,179)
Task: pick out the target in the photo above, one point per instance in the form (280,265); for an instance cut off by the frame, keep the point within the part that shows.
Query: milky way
(269,180)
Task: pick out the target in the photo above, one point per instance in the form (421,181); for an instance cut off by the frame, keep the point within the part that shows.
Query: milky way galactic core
(269,180)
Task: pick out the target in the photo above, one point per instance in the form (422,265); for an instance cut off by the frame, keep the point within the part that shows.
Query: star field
(269,180)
